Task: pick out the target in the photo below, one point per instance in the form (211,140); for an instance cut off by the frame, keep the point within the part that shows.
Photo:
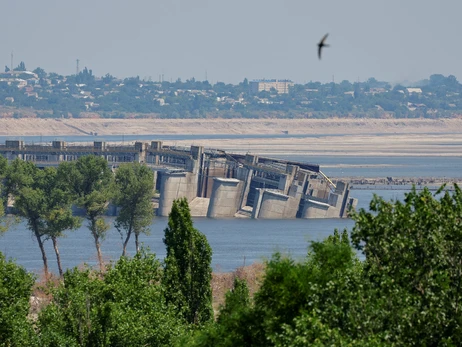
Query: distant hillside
(48,95)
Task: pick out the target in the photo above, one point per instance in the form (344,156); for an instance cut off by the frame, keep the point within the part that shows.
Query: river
(235,242)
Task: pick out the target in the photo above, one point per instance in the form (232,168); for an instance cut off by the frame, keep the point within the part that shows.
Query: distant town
(36,93)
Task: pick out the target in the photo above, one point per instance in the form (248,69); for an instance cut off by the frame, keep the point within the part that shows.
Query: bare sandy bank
(335,137)
(345,145)
(61,127)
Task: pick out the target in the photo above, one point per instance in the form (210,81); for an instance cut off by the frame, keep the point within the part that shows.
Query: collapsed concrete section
(221,184)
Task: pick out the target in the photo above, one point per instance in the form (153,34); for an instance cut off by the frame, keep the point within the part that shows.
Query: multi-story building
(281,86)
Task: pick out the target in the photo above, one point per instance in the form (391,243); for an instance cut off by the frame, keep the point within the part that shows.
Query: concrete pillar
(314,209)
(225,198)
(286,180)
(197,151)
(175,185)
(284,183)
(156,145)
(257,202)
(140,149)
(251,159)
(247,181)
(59,144)
(99,145)
(352,202)
(18,144)
(275,205)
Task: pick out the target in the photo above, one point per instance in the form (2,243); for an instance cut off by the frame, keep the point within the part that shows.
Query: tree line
(133,302)
(405,292)
(45,198)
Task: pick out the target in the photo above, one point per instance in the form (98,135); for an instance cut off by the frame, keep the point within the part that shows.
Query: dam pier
(216,184)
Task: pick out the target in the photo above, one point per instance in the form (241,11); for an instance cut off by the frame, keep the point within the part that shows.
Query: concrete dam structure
(217,184)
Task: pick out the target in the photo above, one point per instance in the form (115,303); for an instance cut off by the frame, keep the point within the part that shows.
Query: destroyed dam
(217,184)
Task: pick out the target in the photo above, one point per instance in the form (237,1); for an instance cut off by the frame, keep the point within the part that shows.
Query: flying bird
(321,44)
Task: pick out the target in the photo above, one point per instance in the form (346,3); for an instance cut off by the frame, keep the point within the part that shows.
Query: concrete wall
(225,198)
(245,175)
(270,204)
(314,209)
(175,185)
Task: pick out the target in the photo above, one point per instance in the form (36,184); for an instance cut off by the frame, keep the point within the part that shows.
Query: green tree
(236,299)
(232,325)
(25,181)
(3,197)
(18,174)
(43,202)
(299,303)
(187,272)
(15,291)
(20,67)
(134,185)
(3,226)
(413,252)
(40,72)
(90,178)
(123,307)
(58,215)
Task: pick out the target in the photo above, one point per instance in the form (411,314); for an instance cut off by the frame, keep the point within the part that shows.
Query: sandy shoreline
(49,127)
(334,137)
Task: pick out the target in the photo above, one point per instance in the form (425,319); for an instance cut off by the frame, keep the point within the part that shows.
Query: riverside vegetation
(406,292)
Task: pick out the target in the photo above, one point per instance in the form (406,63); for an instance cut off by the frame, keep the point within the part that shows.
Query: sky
(229,40)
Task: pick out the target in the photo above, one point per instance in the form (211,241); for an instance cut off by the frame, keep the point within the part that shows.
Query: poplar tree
(3,198)
(187,268)
(134,184)
(24,181)
(89,178)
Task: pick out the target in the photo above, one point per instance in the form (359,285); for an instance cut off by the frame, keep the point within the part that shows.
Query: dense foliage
(133,190)
(405,292)
(3,195)
(89,179)
(15,291)
(123,308)
(44,199)
(188,270)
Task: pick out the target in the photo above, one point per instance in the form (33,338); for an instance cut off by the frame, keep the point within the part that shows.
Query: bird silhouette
(321,44)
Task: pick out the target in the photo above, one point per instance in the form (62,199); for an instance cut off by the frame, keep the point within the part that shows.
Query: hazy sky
(392,40)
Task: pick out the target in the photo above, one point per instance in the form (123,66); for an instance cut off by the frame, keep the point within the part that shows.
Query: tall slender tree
(58,216)
(3,226)
(134,184)
(187,271)
(3,198)
(90,179)
(30,201)
(41,200)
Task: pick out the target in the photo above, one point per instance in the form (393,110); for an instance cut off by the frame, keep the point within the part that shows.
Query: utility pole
(77,68)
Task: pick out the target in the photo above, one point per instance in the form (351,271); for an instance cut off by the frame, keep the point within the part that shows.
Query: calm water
(234,242)
(431,166)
